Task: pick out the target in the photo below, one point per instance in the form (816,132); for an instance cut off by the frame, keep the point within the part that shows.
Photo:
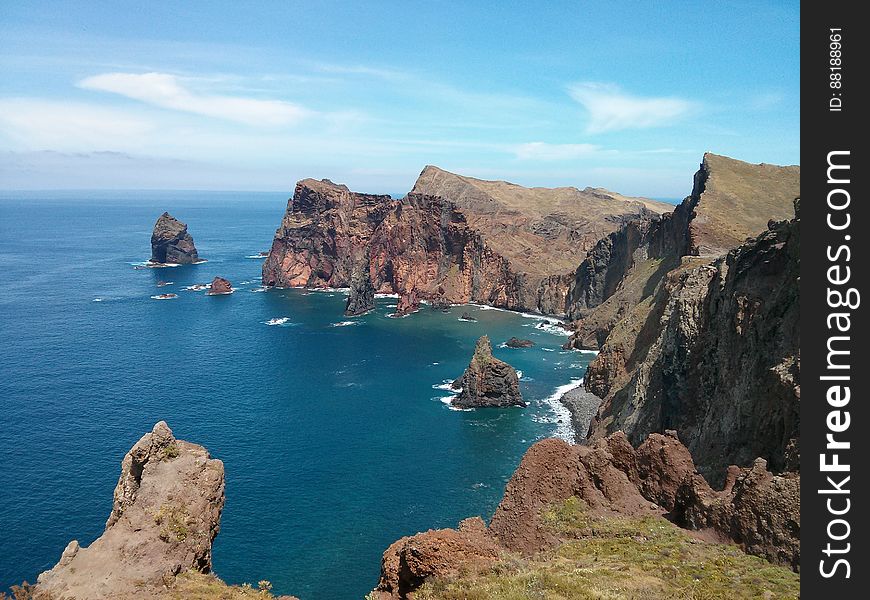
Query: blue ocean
(334,432)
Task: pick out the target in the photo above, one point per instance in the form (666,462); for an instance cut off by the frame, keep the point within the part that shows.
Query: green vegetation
(174,523)
(193,585)
(618,558)
(170,452)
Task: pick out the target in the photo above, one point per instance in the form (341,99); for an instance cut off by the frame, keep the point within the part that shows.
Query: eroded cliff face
(730,201)
(717,358)
(452,239)
(165,515)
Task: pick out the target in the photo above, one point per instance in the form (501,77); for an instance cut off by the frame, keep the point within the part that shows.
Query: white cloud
(611,109)
(547,152)
(166,91)
(40,124)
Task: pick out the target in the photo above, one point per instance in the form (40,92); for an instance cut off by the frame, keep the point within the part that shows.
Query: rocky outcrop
(170,242)
(487,382)
(609,478)
(165,515)
(361,298)
(442,246)
(408,562)
(717,359)
(516,342)
(219,287)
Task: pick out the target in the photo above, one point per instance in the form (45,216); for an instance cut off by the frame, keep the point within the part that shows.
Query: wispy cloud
(611,109)
(45,124)
(166,91)
(543,151)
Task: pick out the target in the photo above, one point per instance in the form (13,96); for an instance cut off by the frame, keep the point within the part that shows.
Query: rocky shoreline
(582,405)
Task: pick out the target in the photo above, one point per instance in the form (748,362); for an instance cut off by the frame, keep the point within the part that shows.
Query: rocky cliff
(452,239)
(157,542)
(730,201)
(171,243)
(717,359)
(165,515)
(487,382)
(599,508)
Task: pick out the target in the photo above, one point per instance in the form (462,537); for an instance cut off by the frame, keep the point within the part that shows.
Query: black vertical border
(823,131)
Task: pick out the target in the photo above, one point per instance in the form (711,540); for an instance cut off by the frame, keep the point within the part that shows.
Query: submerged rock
(488,381)
(220,286)
(165,516)
(170,242)
(516,342)
(408,303)
(467,317)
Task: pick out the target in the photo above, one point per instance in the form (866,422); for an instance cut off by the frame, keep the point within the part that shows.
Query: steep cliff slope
(730,201)
(717,359)
(452,239)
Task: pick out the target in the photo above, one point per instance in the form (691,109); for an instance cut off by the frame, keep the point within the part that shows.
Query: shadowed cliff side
(717,359)
(730,201)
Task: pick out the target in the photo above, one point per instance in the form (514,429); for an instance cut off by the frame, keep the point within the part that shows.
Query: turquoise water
(333,431)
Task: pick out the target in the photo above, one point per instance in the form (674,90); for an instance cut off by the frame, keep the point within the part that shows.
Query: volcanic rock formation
(731,200)
(165,515)
(170,242)
(220,286)
(451,240)
(610,478)
(488,381)
(718,359)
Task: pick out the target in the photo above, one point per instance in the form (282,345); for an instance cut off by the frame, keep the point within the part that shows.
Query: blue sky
(220,95)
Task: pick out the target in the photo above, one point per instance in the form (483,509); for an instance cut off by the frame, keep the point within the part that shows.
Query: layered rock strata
(171,243)
(487,382)
(165,515)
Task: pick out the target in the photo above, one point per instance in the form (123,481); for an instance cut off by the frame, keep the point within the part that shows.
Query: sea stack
(220,286)
(166,513)
(170,242)
(362,293)
(488,381)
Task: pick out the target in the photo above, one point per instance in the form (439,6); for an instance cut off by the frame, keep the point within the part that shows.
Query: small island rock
(170,242)
(516,342)
(220,286)
(488,381)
